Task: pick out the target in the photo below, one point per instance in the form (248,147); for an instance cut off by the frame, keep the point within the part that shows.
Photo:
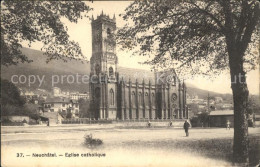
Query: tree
(213,34)
(194,109)
(204,118)
(34,21)
(10,95)
(11,101)
(14,104)
(32,110)
(253,105)
(84,110)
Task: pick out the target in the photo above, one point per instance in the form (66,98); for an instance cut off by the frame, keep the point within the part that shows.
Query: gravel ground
(121,146)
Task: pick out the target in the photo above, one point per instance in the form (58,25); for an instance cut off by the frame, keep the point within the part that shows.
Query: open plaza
(63,145)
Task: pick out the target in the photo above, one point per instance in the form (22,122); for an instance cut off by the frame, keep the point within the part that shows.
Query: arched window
(97,68)
(97,92)
(146,99)
(152,99)
(140,99)
(112,97)
(133,98)
(111,71)
(108,31)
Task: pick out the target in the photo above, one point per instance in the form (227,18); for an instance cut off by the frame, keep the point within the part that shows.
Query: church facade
(124,93)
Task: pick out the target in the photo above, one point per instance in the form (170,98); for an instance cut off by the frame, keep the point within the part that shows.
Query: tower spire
(114,17)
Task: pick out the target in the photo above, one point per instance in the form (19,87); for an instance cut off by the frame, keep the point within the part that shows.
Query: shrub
(195,122)
(5,120)
(24,121)
(92,142)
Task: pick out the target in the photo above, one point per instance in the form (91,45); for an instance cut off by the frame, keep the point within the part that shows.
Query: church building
(125,93)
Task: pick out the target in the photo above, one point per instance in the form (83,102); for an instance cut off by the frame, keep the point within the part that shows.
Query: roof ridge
(134,68)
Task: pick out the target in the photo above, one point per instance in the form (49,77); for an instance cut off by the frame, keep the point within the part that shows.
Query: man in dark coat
(186,127)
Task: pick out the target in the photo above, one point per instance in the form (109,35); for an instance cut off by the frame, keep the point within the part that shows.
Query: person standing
(149,124)
(186,127)
(170,124)
(228,125)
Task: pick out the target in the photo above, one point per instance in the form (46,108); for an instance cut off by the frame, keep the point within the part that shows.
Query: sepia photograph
(148,83)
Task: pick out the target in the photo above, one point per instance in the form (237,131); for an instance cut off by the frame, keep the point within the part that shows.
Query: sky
(81,33)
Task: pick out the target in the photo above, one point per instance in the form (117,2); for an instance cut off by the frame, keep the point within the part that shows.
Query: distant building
(44,96)
(201,106)
(28,93)
(56,91)
(211,102)
(189,101)
(52,118)
(195,97)
(227,106)
(219,118)
(218,99)
(256,118)
(41,90)
(35,99)
(61,105)
(199,101)
(77,96)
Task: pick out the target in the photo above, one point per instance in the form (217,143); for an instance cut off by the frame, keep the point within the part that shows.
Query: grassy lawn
(219,149)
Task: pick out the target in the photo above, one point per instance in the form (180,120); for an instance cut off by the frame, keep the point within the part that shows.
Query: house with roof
(219,118)
(77,96)
(218,99)
(61,105)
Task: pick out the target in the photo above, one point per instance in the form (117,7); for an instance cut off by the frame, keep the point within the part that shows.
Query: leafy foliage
(10,95)
(191,33)
(34,21)
(84,108)
(91,142)
(31,110)
(193,109)
(200,37)
(253,105)
(14,104)
(204,118)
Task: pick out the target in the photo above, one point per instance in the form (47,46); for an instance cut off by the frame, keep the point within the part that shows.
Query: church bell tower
(103,86)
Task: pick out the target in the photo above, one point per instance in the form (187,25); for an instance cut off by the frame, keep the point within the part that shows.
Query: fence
(91,121)
(85,121)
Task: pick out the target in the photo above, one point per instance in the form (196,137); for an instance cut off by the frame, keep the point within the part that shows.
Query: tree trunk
(240,99)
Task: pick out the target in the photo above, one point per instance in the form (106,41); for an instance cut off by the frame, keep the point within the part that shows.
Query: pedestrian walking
(186,127)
